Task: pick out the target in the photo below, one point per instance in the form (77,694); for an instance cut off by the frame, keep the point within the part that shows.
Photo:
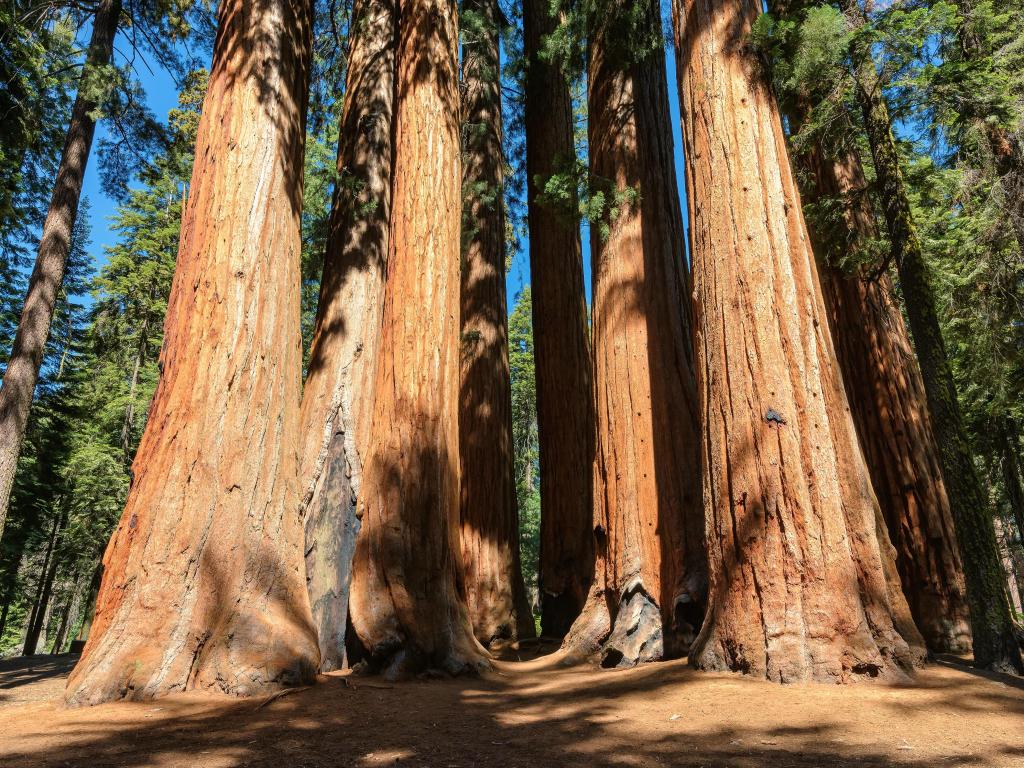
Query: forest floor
(530,714)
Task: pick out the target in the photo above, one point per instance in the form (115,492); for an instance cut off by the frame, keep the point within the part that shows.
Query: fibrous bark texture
(886,396)
(337,401)
(22,372)
(202,583)
(650,577)
(991,623)
(406,603)
(565,401)
(803,584)
(495,593)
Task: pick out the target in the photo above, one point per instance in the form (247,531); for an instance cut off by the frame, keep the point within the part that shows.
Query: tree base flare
(636,634)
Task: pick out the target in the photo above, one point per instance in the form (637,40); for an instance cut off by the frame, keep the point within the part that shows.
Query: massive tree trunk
(565,401)
(202,582)
(647,601)
(886,396)
(19,381)
(406,604)
(992,627)
(803,584)
(337,402)
(495,593)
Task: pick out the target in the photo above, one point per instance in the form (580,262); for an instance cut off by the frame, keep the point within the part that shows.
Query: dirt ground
(528,715)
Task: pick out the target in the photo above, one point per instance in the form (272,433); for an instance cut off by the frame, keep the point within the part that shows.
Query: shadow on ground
(531,714)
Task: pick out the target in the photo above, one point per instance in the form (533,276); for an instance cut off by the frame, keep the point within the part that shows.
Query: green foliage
(525,445)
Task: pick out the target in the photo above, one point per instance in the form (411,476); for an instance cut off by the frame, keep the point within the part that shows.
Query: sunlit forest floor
(529,714)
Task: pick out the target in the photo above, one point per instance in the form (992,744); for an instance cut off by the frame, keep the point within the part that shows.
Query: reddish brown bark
(495,593)
(337,401)
(803,584)
(650,575)
(406,603)
(565,402)
(886,395)
(22,372)
(202,584)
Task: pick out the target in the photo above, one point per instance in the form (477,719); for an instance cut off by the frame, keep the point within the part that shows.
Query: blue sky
(161,94)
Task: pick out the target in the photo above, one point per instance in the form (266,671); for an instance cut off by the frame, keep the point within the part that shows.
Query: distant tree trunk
(887,400)
(994,644)
(65,617)
(202,582)
(406,603)
(89,609)
(46,574)
(129,412)
(648,599)
(565,400)
(495,593)
(337,401)
(19,380)
(1009,569)
(1009,448)
(803,578)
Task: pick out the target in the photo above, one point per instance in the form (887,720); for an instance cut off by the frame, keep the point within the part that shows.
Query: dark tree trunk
(1009,447)
(42,603)
(994,643)
(337,401)
(651,574)
(494,588)
(202,583)
(19,380)
(803,583)
(406,602)
(565,400)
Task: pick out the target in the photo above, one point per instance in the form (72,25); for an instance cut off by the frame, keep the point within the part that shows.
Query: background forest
(944,81)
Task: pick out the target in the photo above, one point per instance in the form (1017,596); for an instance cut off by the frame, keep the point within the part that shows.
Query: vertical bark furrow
(202,584)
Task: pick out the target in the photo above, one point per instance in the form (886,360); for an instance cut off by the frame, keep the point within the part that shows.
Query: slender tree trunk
(565,402)
(1009,447)
(90,604)
(803,583)
(994,644)
(4,613)
(406,603)
(337,402)
(202,582)
(495,593)
(37,601)
(1009,571)
(19,380)
(129,412)
(887,400)
(65,617)
(37,621)
(650,587)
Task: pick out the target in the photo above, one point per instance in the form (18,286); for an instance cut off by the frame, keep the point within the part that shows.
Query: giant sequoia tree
(803,583)
(337,400)
(565,403)
(490,528)
(649,582)
(406,604)
(19,380)
(202,584)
